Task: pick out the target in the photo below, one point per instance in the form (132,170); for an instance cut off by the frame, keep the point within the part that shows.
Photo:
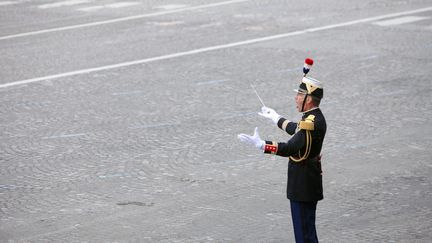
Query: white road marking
(369,57)
(212,48)
(289,70)
(65,136)
(167,23)
(111,21)
(212,82)
(398,21)
(5,3)
(129,92)
(63,3)
(91,8)
(171,6)
(154,125)
(214,209)
(122,4)
(108,6)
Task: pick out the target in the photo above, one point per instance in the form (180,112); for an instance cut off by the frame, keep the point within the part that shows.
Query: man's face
(299,101)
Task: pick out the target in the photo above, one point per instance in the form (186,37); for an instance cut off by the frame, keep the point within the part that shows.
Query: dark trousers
(303,217)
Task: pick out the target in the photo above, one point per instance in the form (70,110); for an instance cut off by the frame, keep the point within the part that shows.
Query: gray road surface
(119,119)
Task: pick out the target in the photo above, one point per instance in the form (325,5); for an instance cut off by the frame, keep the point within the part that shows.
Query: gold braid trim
(307,150)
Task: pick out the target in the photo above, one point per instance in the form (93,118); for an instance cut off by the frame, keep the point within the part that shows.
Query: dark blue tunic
(304,177)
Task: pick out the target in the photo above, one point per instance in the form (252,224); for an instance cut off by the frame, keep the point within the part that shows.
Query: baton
(257,95)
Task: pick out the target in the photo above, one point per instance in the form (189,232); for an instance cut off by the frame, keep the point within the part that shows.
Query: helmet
(311,86)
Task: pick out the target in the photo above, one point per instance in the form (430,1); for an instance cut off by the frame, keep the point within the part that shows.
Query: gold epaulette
(307,124)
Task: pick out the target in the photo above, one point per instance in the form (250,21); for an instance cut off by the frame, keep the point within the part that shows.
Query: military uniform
(304,186)
(304,148)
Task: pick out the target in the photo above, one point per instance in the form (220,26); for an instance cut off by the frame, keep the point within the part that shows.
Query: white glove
(254,140)
(270,114)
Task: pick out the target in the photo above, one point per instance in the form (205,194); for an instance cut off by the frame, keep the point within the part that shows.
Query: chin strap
(304,102)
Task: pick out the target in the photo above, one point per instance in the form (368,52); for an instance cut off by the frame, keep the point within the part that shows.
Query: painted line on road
(215,209)
(289,70)
(122,4)
(368,58)
(62,4)
(171,6)
(6,3)
(129,92)
(398,21)
(109,6)
(155,125)
(111,21)
(91,9)
(212,48)
(217,81)
(65,136)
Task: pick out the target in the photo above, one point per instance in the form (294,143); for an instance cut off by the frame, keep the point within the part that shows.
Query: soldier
(304,187)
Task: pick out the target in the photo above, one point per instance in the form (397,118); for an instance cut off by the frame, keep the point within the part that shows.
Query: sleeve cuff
(270,147)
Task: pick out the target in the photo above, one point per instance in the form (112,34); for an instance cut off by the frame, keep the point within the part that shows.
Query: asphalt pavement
(119,119)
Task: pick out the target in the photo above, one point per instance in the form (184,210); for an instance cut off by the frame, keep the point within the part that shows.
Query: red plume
(307,65)
(309,61)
